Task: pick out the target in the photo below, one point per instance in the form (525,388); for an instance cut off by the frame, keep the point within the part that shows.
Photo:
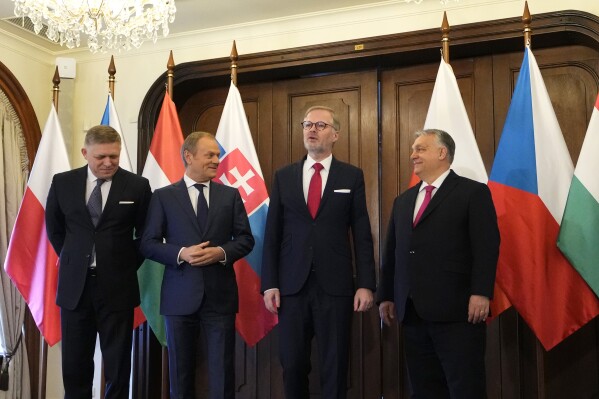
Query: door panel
(517,366)
(274,112)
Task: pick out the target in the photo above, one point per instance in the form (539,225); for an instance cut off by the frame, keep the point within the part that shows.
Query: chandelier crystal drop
(108,24)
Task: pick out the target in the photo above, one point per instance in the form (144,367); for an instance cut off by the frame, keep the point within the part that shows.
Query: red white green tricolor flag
(163,167)
(579,232)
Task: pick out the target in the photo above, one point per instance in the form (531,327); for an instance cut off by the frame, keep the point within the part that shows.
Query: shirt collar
(189,182)
(92,178)
(437,183)
(326,163)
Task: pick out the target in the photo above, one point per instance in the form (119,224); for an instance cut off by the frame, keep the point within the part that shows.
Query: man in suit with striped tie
(94,217)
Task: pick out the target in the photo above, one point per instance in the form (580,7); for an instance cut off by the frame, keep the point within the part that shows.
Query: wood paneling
(517,366)
(274,111)
(377,128)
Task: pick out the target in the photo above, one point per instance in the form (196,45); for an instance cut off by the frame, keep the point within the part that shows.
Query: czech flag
(529,181)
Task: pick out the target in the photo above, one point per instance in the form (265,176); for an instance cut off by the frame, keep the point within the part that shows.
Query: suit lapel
(182,197)
(328,188)
(215,195)
(298,177)
(447,187)
(81,187)
(117,186)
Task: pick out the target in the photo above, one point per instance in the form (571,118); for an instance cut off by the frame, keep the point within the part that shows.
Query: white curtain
(13,180)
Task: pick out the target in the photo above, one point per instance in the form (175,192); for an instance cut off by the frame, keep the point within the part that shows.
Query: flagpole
(445,37)
(234,56)
(55,88)
(526,19)
(540,351)
(43,362)
(170,73)
(111,83)
(111,79)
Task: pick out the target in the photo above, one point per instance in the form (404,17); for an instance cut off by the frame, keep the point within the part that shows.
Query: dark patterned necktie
(202,207)
(94,204)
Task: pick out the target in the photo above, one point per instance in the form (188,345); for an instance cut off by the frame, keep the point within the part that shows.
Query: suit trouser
(181,336)
(79,329)
(311,313)
(444,359)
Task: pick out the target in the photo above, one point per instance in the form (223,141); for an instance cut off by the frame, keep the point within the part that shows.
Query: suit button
(412,252)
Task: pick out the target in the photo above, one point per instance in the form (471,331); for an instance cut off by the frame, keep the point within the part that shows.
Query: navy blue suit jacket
(448,256)
(171,217)
(73,236)
(294,242)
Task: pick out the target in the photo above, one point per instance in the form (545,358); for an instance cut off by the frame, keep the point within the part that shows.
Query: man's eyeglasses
(320,125)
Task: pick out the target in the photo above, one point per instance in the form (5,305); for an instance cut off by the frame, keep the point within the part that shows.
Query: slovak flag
(239,167)
(529,182)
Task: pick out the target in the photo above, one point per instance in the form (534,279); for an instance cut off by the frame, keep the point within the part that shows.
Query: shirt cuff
(179,261)
(270,289)
(224,261)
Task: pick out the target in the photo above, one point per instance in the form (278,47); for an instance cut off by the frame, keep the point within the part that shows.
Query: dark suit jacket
(171,217)
(72,234)
(294,243)
(450,255)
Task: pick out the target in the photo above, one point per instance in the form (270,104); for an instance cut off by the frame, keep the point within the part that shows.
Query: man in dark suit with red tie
(94,217)
(438,272)
(198,229)
(307,271)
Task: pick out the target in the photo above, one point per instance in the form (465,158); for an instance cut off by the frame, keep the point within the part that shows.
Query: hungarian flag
(579,232)
(31,261)
(529,182)
(447,112)
(239,167)
(163,167)
(111,118)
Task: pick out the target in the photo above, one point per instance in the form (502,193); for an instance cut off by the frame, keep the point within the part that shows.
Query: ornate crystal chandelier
(108,24)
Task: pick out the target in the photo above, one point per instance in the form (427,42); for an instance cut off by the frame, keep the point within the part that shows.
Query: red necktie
(315,190)
(427,198)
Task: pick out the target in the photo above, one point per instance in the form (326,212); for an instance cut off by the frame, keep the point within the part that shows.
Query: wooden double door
(379,110)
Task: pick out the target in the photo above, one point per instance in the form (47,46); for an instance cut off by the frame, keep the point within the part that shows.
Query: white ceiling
(203,14)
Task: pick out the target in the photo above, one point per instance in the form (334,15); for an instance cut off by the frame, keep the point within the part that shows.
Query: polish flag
(31,261)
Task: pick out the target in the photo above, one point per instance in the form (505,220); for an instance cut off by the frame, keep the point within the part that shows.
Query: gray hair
(336,124)
(190,143)
(443,139)
(102,134)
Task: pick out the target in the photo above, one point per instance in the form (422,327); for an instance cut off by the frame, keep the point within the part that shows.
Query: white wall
(138,69)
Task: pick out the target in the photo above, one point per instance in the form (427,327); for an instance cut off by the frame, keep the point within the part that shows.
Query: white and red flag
(31,261)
